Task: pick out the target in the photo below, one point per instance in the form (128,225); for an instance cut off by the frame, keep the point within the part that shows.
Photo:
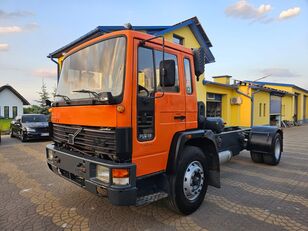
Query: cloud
(292,12)
(4,47)
(45,73)
(10,29)
(14,14)
(279,72)
(244,10)
(18,29)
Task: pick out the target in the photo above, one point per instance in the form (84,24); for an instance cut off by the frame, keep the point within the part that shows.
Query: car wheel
(23,137)
(256,157)
(189,183)
(274,157)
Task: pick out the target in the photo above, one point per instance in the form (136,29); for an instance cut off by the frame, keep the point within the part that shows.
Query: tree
(44,95)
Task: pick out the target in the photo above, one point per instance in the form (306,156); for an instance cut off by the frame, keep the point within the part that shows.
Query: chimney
(223,79)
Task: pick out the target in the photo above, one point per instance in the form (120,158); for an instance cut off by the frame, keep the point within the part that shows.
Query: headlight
(50,154)
(120,176)
(102,173)
(30,129)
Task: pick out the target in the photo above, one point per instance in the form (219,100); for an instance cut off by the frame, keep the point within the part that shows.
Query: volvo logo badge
(71,137)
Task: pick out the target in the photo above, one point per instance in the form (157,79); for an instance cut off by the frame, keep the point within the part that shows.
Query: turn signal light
(120,172)
(120,176)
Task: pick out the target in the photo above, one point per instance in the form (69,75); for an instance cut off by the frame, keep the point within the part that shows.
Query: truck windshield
(97,68)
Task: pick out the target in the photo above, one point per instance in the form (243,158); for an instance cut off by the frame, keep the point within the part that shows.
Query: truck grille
(99,142)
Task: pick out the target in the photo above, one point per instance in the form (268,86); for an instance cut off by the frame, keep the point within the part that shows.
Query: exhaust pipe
(224,156)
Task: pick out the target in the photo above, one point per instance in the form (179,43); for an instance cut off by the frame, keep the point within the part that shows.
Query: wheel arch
(203,139)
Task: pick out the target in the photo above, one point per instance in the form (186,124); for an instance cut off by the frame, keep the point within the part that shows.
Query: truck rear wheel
(256,157)
(189,183)
(273,158)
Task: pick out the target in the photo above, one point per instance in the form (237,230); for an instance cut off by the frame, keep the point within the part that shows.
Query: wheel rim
(193,180)
(277,149)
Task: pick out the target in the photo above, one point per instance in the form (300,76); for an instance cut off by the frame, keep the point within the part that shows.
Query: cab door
(159,113)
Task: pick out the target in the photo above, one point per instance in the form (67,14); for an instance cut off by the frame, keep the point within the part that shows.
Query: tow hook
(81,168)
(56,159)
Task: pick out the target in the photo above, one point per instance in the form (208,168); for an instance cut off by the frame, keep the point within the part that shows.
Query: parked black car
(30,126)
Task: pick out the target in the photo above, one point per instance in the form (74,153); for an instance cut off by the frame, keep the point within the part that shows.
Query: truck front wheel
(189,183)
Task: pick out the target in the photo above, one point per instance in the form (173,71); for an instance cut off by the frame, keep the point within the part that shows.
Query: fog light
(102,173)
(50,154)
(120,176)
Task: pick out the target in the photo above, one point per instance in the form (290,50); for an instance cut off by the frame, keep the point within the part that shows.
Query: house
(238,104)
(244,103)
(11,102)
(294,108)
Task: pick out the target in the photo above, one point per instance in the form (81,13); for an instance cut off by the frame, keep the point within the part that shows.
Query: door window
(158,58)
(145,71)
(187,70)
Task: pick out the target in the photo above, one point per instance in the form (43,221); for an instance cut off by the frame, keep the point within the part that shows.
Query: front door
(159,113)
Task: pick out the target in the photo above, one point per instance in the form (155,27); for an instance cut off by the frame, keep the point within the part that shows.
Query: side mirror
(199,61)
(48,102)
(167,73)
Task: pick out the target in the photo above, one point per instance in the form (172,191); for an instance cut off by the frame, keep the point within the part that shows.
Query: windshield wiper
(66,98)
(94,93)
(100,97)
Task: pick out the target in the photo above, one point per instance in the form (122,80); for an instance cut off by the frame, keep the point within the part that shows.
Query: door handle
(180,117)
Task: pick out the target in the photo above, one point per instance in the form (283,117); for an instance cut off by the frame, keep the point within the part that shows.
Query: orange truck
(126,123)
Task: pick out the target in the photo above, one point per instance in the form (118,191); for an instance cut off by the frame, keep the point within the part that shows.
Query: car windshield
(97,68)
(34,118)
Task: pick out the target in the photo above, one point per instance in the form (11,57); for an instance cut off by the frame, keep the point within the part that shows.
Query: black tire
(23,137)
(256,157)
(273,158)
(178,201)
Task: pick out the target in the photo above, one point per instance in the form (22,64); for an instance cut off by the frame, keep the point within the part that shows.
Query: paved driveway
(252,197)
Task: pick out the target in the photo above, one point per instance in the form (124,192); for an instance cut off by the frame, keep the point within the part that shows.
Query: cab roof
(192,23)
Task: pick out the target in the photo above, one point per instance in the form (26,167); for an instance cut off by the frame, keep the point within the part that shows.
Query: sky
(251,38)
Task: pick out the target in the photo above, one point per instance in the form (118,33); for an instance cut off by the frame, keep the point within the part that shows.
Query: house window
(6,112)
(178,39)
(264,109)
(14,111)
(260,109)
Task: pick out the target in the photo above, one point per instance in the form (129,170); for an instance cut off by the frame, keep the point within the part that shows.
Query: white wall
(7,98)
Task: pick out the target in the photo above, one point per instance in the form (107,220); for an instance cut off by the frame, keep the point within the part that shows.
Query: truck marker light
(102,173)
(120,108)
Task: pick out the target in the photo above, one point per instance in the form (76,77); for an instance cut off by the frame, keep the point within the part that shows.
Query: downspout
(252,99)
(58,67)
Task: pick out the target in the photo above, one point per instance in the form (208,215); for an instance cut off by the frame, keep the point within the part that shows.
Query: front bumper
(82,171)
(37,135)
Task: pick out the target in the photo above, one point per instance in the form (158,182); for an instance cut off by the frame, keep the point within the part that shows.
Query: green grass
(5,124)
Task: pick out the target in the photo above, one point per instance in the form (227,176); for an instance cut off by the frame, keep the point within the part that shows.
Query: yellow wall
(245,109)
(287,107)
(261,115)
(222,79)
